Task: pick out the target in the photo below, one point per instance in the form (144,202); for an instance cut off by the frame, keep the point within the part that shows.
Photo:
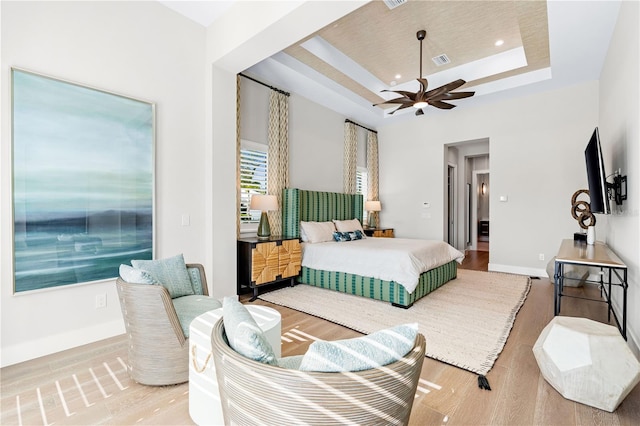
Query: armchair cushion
(290,362)
(171,272)
(361,353)
(137,276)
(189,307)
(243,333)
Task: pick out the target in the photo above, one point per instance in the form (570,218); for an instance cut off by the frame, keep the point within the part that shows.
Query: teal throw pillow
(189,307)
(341,236)
(170,272)
(136,276)
(361,353)
(243,333)
(348,236)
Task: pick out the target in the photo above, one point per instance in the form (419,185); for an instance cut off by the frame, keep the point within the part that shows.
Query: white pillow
(348,225)
(303,236)
(317,232)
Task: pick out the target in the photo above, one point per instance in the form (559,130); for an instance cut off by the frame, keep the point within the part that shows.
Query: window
(361,186)
(253,180)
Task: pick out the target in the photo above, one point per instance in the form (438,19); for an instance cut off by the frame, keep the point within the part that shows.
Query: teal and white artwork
(83,181)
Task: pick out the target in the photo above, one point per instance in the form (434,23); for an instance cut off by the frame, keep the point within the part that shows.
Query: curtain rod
(360,125)
(266,85)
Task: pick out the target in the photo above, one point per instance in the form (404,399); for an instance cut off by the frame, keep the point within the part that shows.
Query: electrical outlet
(541,256)
(101,300)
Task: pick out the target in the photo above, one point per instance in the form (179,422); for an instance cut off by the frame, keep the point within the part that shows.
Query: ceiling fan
(422,97)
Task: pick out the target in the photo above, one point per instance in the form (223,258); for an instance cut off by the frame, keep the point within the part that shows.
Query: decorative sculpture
(587,361)
(581,210)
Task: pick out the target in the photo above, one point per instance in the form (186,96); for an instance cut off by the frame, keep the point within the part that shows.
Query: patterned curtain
(350,158)
(238,156)
(278,154)
(372,169)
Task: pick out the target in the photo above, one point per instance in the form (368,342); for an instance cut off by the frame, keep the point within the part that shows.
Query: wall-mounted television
(596,176)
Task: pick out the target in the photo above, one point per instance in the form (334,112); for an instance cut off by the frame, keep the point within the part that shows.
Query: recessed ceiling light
(392,83)
(398,76)
(499,42)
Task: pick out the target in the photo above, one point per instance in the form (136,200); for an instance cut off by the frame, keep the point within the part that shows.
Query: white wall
(254,111)
(123,47)
(620,137)
(537,160)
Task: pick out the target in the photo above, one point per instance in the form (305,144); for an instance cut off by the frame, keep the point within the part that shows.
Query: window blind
(253,180)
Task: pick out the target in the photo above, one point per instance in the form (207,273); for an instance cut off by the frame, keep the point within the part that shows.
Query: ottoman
(587,362)
(204,399)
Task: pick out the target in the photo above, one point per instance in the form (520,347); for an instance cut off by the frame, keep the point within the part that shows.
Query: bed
(315,206)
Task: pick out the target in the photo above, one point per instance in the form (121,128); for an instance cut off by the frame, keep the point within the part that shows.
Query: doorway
(464,162)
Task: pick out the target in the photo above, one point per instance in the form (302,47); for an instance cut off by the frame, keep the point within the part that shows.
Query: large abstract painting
(83,181)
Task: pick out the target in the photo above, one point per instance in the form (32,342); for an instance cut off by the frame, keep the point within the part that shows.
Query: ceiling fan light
(419,105)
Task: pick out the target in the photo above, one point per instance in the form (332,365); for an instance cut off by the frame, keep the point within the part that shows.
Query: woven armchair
(158,349)
(255,393)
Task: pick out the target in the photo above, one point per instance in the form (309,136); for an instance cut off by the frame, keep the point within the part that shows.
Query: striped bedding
(373,288)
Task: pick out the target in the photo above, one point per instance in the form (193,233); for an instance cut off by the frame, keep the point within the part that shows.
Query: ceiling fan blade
(452,96)
(419,112)
(410,95)
(423,84)
(445,88)
(440,104)
(401,107)
(401,101)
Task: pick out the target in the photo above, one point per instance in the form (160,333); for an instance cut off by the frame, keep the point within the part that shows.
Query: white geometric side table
(587,361)
(204,397)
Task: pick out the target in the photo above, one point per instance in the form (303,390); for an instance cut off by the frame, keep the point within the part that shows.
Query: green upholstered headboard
(315,206)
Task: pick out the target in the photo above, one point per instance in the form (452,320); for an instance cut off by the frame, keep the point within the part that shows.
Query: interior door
(451,208)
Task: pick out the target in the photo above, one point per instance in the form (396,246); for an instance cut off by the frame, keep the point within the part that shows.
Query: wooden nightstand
(379,232)
(264,262)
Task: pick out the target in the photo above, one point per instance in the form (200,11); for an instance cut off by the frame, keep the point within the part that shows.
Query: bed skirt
(373,288)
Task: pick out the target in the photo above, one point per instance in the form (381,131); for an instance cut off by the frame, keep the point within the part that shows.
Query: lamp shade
(264,202)
(372,206)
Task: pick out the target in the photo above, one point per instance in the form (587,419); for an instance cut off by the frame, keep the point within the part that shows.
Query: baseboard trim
(48,345)
(520,270)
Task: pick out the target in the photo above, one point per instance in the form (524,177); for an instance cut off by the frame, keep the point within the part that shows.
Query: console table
(594,255)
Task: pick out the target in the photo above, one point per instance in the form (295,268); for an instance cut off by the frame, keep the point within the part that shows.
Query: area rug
(466,322)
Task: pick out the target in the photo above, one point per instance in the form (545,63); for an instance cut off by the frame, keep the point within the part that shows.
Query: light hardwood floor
(89,384)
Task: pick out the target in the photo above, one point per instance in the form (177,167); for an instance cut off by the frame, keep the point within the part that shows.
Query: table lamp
(264,203)
(372,207)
